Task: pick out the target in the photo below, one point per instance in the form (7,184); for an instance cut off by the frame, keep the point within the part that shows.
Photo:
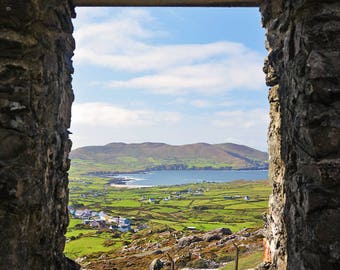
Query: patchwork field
(186,209)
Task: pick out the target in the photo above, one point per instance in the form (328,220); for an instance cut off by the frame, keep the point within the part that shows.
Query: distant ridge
(123,157)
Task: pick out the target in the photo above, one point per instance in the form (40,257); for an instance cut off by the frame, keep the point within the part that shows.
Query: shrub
(227,258)
(198,264)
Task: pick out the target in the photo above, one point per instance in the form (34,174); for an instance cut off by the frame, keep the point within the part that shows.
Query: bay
(179,177)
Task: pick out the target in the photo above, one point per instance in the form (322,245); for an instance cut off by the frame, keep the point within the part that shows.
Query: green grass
(88,244)
(74,222)
(81,242)
(246,261)
(77,233)
(74,231)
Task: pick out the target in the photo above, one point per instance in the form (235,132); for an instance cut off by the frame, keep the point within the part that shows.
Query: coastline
(175,177)
(128,186)
(148,170)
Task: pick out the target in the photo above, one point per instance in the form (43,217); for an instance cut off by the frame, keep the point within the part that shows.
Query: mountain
(122,157)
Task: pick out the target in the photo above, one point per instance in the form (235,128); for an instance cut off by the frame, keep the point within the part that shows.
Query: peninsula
(148,156)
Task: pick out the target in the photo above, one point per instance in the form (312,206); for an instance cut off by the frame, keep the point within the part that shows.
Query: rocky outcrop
(214,235)
(156,264)
(36,47)
(303,71)
(193,251)
(217,234)
(187,241)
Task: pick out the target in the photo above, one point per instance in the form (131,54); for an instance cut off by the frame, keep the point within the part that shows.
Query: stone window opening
(35,100)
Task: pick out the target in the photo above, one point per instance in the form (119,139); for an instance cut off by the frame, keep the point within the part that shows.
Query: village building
(101,220)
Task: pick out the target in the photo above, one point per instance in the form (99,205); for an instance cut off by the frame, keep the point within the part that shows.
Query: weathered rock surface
(194,252)
(303,71)
(156,264)
(186,241)
(216,234)
(36,46)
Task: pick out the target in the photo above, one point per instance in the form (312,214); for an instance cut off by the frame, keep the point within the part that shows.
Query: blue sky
(173,75)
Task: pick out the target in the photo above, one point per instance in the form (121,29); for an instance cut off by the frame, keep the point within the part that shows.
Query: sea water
(178,177)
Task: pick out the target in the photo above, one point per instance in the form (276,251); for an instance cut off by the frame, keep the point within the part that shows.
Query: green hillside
(122,157)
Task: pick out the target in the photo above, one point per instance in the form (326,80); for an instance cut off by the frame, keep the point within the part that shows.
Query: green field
(205,212)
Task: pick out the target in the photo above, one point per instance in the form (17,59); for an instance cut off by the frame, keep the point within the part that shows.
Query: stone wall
(36,47)
(303,71)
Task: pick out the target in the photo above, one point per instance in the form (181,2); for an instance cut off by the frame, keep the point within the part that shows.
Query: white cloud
(227,103)
(180,101)
(251,119)
(125,43)
(100,123)
(209,78)
(243,127)
(201,103)
(204,103)
(108,115)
